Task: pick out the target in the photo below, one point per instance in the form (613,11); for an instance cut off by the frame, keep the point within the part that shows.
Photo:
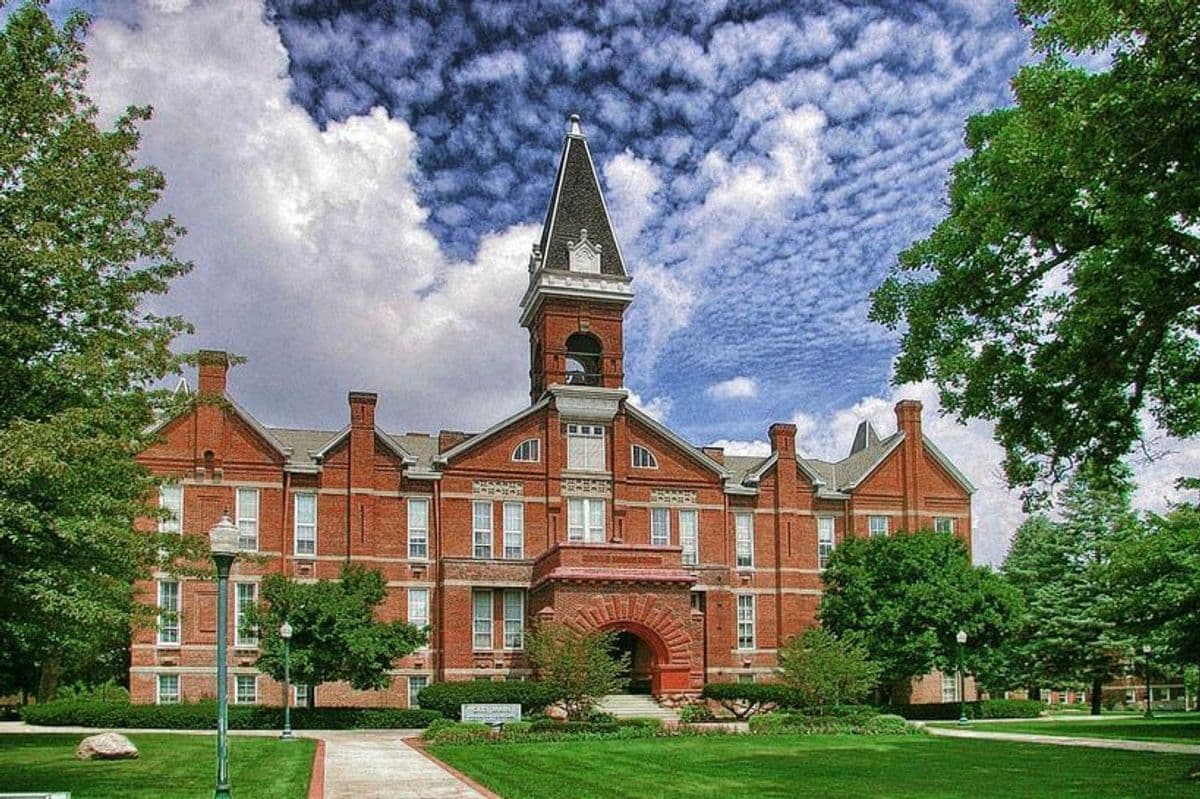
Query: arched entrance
(640,662)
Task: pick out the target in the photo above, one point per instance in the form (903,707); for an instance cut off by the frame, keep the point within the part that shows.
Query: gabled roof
(264,433)
(690,449)
(756,474)
(945,463)
(479,438)
(864,437)
(334,441)
(578,204)
(854,469)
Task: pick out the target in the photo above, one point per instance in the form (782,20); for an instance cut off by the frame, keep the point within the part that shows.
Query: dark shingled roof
(577,203)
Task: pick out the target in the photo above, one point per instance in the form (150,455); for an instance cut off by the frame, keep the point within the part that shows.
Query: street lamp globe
(1147,649)
(285,631)
(961,637)
(223,538)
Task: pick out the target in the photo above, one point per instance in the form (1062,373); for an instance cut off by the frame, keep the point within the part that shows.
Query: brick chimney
(908,421)
(362,436)
(783,440)
(214,369)
(716,453)
(908,417)
(449,439)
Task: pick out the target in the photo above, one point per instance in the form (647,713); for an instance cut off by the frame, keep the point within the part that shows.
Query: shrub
(803,724)
(985,709)
(696,713)
(746,699)
(649,724)
(203,716)
(518,728)
(822,669)
(768,723)
(457,733)
(888,724)
(448,697)
(855,714)
(599,716)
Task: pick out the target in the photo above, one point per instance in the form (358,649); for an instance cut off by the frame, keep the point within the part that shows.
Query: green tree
(823,669)
(80,254)
(1061,295)
(580,667)
(905,597)
(1069,632)
(335,633)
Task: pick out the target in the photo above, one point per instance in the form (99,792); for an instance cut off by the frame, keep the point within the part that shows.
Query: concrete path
(1063,740)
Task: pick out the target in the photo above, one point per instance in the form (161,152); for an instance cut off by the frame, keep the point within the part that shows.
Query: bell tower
(578,290)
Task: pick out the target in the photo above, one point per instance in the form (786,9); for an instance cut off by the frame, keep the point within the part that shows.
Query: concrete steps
(635,706)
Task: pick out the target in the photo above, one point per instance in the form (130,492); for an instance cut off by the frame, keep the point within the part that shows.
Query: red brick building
(579,508)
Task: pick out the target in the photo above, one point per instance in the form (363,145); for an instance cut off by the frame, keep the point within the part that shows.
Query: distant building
(579,508)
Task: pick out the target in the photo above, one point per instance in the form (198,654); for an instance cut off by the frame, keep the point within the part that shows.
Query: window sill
(162,645)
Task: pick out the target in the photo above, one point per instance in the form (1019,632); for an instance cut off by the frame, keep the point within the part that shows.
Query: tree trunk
(1097,685)
(48,680)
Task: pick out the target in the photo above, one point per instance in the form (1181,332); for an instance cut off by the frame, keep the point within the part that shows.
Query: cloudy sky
(362,183)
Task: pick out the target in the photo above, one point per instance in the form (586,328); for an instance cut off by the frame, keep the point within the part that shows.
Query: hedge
(800,724)
(448,697)
(984,709)
(203,716)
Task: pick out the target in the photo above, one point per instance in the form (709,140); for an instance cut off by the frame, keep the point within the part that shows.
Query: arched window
(643,458)
(583,360)
(528,451)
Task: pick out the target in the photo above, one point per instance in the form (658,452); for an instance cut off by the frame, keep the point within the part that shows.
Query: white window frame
(746,621)
(513,514)
(938,521)
(417,681)
(164,698)
(953,684)
(743,534)
(660,526)
(585,448)
(514,620)
(640,457)
(826,540)
(174,623)
(296,689)
(581,520)
(689,535)
(481,626)
(528,451)
(238,681)
(309,527)
(418,530)
(241,640)
(482,538)
(247,523)
(170,496)
(418,599)
(883,520)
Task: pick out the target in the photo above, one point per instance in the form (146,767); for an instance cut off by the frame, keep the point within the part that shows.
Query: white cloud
(631,184)
(747,448)
(311,250)
(734,388)
(492,68)
(657,408)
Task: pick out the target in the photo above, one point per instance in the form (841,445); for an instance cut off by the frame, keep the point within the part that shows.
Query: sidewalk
(1062,740)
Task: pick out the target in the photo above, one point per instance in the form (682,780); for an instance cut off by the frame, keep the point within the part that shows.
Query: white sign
(491,714)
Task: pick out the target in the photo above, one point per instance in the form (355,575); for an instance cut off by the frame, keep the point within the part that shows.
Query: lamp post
(223,542)
(285,632)
(962,680)
(1147,650)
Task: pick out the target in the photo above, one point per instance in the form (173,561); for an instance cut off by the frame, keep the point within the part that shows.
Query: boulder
(106,746)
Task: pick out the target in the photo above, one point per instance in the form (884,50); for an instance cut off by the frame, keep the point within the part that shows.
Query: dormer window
(528,451)
(583,255)
(643,458)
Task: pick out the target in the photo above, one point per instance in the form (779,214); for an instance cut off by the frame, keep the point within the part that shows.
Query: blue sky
(362,184)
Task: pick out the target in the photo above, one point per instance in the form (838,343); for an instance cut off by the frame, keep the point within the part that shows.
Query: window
(170,499)
(745,621)
(418,529)
(698,601)
(168,612)
(745,678)
(585,520)
(528,451)
(950,688)
(418,607)
(643,458)
(689,536)
(245,689)
(247,518)
(300,694)
(943,524)
(514,530)
(481,603)
(878,525)
(585,447)
(660,527)
(743,529)
(482,525)
(514,618)
(246,594)
(824,540)
(415,683)
(168,689)
(306,525)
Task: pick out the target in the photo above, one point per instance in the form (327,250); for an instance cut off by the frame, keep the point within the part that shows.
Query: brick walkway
(1063,740)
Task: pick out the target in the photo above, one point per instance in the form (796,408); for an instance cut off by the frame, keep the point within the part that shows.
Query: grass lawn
(169,766)
(770,767)
(1181,729)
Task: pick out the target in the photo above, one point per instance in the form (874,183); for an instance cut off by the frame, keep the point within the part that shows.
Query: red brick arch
(655,623)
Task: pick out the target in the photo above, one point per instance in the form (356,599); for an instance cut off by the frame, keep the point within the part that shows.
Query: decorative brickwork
(578,487)
(498,488)
(668,496)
